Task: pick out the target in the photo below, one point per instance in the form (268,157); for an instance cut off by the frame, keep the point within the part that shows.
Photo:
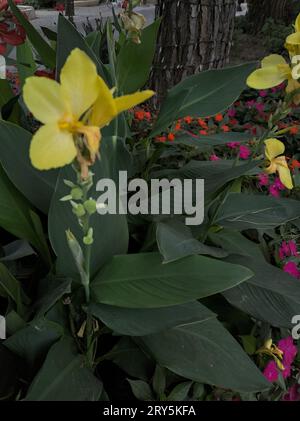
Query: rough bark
(195,35)
(260,10)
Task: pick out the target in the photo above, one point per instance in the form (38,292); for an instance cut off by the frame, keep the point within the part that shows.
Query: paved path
(48,18)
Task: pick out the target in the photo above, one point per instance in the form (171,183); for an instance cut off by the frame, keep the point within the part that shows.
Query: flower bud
(88,239)
(76,193)
(79,210)
(90,206)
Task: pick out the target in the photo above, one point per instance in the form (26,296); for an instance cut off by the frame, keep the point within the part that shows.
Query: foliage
(184,312)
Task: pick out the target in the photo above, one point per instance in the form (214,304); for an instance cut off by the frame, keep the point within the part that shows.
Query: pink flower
(293,394)
(274,191)
(231,113)
(289,350)
(250,103)
(293,249)
(278,184)
(263,93)
(233,145)
(260,107)
(292,269)
(270,372)
(245,152)
(263,179)
(214,157)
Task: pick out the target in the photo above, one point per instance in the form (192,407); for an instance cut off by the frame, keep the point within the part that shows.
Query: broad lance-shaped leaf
(17,217)
(256,211)
(134,60)
(142,281)
(140,322)
(263,304)
(204,94)
(14,157)
(205,352)
(69,38)
(175,241)
(210,141)
(64,377)
(215,174)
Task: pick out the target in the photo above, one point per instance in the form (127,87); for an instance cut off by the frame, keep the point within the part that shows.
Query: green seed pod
(90,206)
(79,210)
(76,193)
(88,239)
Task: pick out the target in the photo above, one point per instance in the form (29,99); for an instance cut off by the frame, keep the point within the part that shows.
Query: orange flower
(203,132)
(188,119)
(294,164)
(219,117)
(171,137)
(161,139)
(202,123)
(226,129)
(294,130)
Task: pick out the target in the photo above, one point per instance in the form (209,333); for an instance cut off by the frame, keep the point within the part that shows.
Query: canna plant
(158,299)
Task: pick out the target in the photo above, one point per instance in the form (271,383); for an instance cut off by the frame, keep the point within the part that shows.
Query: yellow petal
(266,78)
(273,60)
(79,82)
(274,148)
(297,23)
(293,39)
(126,102)
(43,98)
(104,109)
(52,148)
(284,172)
(291,87)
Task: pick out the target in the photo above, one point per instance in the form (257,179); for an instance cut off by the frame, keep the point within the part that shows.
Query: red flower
(225,128)
(171,137)
(294,130)
(219,117)
(139,115)
(294,164)
(203,132)
(161,139)
(202,123)
(60,7)
(188,119)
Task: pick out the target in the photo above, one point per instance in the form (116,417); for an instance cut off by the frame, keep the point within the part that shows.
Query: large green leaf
(64,377)
(257,211)
(14,157)
(5,92)
(217,139)
(205,352)
(17,218)
(214,173)
(44,50)
(33,341)
(69,38)
(11,288)
(25,61)
(175,241)
(131,358)
(263,304)
(203,94)
(140,322)
(10,368)
(142,281)
(110,231)
(134,60)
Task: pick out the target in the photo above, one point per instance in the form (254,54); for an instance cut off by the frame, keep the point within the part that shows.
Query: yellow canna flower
(292,43)
(270,349)
(72,112)
(274,70)
(274,150)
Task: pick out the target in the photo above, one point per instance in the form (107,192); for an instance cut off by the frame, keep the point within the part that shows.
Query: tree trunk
(260,10)
(195,35)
